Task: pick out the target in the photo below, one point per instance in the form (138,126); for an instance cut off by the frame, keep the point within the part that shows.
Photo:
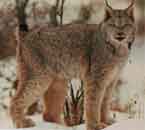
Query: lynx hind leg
(105,110)
(54,100)
(28,93)
(94,94)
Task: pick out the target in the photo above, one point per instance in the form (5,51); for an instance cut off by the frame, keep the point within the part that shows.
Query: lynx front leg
(94,94)
(105,110)
(54,100)
(28,93)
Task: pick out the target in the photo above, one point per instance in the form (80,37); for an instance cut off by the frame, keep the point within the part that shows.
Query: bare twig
(61,11)
(34,11)
(57,3)
(53,14)
(57,11)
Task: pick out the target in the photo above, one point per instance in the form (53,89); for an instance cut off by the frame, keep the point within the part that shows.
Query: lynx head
(118,27)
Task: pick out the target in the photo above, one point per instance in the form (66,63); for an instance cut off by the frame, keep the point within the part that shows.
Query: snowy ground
(123,125)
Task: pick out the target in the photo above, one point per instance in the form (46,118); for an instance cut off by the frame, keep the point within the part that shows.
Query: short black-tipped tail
(23,27)
(21,14)
(21,31)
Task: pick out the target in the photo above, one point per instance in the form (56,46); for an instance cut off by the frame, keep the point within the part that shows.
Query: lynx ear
(108,11)
(130,10)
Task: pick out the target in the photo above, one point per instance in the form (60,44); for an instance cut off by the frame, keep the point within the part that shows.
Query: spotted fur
(50,57)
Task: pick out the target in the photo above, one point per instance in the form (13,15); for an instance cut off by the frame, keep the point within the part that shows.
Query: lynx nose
(120,36)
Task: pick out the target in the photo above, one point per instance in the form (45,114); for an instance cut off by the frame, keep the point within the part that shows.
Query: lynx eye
(127,25)
(112,25)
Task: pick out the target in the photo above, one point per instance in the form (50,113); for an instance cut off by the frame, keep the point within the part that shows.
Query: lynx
(50,57)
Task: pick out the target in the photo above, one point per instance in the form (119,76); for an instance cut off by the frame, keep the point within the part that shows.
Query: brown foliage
(73,109)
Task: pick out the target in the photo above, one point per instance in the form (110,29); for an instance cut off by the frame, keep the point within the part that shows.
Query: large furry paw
(102,125)
(47,117)
(99,126)
(109,121)
(25,123)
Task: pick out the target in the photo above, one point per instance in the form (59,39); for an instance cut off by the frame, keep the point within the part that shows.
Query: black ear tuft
(108,11)
(130,10)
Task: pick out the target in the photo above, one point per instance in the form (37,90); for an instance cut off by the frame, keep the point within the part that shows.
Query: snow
(128,125)
(134,75)
(123,125)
